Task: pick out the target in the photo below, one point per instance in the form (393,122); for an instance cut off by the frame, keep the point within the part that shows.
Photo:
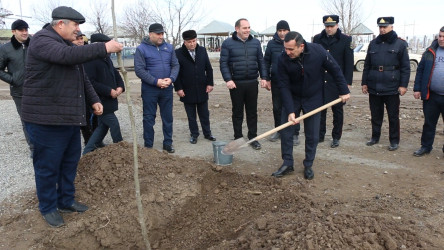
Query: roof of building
(361,29)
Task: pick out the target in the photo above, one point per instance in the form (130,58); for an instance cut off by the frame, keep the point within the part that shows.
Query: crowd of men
(59,83)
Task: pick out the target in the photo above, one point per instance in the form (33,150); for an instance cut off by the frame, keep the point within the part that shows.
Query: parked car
(127,57)
(361,51)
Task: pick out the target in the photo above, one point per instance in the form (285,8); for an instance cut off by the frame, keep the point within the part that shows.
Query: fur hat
(189,35)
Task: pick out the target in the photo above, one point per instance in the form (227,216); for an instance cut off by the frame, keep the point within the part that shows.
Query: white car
(361,51)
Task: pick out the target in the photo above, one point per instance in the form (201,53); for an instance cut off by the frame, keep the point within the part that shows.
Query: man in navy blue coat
(194,82)
(301,71)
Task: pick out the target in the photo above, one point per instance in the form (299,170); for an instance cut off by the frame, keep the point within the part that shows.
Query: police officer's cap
(189,35)
(385,21)
(98,37)
(68,13)
(19,24)
(330,20)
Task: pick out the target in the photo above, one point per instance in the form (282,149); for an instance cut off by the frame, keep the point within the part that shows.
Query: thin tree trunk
(133,129)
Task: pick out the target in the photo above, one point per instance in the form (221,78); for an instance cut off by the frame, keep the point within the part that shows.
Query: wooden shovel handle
(300,118)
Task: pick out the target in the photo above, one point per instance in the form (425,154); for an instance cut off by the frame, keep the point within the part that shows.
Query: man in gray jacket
(12,58)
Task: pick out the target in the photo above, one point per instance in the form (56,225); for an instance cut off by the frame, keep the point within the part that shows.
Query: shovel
(235,145)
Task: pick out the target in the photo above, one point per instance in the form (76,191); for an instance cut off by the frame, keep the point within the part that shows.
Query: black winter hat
(189,35)
(156,28)
(98,37)
(19,24)
(68,13)
(385,21)
(282,25)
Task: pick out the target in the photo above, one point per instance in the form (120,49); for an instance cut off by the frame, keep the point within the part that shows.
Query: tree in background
(177,16)
(43,9)
(349,11)
(136,20)
(99,16)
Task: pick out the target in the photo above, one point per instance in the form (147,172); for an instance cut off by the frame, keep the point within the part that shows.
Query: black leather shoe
(372,142)
(256,145)
(168,148)
(193,139)
(393,146)
(210,138)
(283,170)
(334,143)
(422,151)
(75,207)
(308,173)
(54,219)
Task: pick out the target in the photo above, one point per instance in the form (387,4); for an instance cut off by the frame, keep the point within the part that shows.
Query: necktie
(193,54)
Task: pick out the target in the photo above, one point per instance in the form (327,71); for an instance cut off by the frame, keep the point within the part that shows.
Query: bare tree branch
(136,20)
(99,17)
(177,16)
(43,9)
(349,12)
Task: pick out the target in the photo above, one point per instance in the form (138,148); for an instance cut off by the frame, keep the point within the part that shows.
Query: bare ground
(361,198)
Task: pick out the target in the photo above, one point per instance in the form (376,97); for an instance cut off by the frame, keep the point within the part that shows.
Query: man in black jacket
(194,82)
(275,48)
(301,82)
(53,109)
(108,85)
(12,57)
(241,62)
(339,46)
(385,77)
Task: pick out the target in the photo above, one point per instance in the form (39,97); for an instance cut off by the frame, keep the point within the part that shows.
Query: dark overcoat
(104,77)
(339,46)
(194,75)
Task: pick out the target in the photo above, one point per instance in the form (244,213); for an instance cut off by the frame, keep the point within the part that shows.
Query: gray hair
(54,22)
(293,35)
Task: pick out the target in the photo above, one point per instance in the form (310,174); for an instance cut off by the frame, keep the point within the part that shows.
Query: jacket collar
(391,39)
(337,35)
(234,36)
(17,45)
(186,53)
(148,41)
(277,38)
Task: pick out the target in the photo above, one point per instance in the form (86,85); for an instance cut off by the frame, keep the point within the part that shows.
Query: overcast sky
(411,17)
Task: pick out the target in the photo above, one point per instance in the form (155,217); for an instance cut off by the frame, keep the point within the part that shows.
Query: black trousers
(311,131)
(338,121)
(277,108)
(204,117)
(244,95)
(391,103)
(432,108)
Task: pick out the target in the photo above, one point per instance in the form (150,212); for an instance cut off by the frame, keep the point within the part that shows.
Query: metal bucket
(219,158)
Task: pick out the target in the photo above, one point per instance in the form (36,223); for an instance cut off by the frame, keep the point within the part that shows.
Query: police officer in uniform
(339,46)
(385,77)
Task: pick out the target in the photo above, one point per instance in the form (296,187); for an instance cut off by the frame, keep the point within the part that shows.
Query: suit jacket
(194,75)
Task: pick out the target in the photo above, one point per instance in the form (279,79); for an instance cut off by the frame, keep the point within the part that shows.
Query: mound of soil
(194,204)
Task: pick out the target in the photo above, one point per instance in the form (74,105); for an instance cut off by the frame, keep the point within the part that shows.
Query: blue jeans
(151,97)
(106,122)
(56,155)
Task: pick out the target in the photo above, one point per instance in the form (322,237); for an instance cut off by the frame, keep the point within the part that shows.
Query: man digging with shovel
(301,69)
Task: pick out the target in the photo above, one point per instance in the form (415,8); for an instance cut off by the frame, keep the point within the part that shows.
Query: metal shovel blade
(233,146)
